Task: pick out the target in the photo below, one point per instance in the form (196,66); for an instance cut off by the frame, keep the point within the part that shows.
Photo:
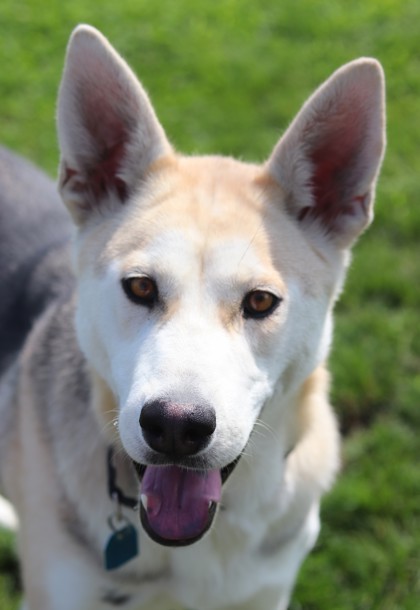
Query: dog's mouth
(178,505)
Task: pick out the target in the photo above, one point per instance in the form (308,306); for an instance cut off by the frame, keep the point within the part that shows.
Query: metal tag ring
(114,519)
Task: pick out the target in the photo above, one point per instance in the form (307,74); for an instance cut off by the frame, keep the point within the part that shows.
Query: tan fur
(317,448)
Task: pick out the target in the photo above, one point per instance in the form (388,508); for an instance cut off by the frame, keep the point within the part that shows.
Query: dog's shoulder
(315,460)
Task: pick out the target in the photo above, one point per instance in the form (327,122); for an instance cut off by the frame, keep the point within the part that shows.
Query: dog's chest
(207,575)
(115,598)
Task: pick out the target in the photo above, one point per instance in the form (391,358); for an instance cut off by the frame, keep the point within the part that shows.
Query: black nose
(177,430)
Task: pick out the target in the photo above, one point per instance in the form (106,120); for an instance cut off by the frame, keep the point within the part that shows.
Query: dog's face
(207,295)
(206,284)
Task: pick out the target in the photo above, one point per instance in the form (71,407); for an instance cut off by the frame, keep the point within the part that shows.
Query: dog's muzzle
(178,502)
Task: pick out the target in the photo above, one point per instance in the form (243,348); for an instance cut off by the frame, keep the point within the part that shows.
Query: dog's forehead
(213,196)
(209,214)
(197,206)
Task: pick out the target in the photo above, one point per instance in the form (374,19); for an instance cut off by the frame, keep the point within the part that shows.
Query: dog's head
(205,284)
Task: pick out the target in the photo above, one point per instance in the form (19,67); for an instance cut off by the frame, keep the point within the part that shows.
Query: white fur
(8,517)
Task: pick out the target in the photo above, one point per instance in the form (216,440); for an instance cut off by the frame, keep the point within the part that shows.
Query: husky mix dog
(165,429)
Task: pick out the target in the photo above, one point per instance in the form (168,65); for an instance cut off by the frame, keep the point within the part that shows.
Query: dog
(165,429)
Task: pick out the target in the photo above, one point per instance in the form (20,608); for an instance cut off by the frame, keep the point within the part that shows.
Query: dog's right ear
(108,132)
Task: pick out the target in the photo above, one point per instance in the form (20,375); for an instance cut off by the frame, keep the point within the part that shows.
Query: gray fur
(33,224)
(35,231)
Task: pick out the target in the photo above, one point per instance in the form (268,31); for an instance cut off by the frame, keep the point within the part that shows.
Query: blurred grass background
(227,76)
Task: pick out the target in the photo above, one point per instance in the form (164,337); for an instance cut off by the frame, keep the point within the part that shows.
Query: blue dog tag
(122,546)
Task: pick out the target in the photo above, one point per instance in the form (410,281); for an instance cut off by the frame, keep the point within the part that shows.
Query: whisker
(266,428)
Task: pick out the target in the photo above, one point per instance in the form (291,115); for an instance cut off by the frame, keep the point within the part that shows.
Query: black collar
(115,492)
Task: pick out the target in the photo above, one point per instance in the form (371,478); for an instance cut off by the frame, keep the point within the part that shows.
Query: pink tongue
(178,500)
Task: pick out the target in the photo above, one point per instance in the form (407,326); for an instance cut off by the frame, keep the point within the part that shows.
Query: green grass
(227,76)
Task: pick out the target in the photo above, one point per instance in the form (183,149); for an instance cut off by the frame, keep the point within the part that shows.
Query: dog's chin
(179,504)
(179,541)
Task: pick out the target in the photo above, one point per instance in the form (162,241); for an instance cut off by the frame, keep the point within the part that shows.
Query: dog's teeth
(144,500)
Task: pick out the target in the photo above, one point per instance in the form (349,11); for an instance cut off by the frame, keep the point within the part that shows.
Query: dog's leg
(67,583)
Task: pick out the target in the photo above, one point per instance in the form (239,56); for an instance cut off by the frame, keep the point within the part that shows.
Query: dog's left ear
(108,132)
(328,160)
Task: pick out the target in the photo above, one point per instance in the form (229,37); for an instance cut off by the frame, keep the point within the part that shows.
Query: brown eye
(141,290)
(259,303)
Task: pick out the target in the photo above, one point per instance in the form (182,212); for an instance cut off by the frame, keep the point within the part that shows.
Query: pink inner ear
(108,132)
(110,138)
(102,177)
(337,164)
(326,185)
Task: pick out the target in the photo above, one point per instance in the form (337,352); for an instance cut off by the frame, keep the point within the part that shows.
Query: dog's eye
(259,304)
(140,290)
